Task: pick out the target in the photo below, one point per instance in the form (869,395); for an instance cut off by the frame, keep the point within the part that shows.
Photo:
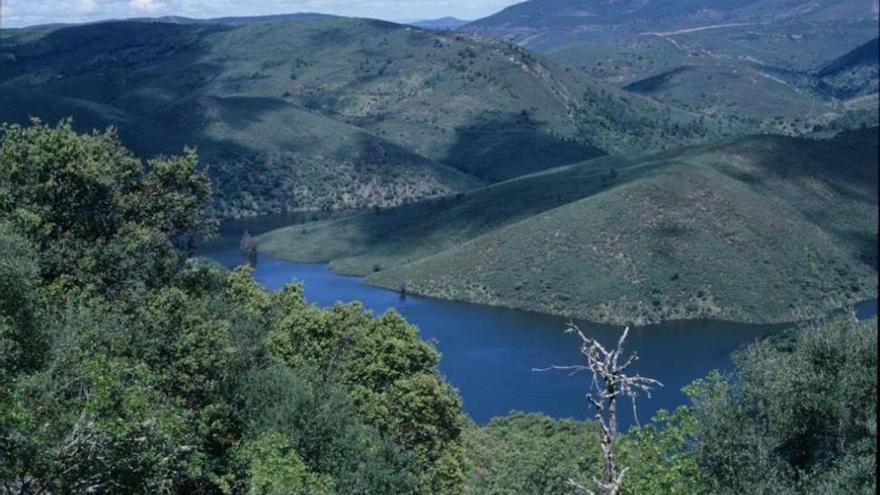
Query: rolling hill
(329,113)
(745,230)
(744,60)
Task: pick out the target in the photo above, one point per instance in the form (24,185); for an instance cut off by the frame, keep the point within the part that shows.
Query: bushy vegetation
(128,367)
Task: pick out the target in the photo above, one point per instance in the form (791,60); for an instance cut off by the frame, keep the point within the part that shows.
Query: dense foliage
(127,367)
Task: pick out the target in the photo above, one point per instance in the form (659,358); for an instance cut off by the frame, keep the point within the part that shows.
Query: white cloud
(26,12)
(146,5)
(87,6)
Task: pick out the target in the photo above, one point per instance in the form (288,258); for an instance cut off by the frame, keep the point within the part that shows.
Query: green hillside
(746,230)
(753,63)
(329,113)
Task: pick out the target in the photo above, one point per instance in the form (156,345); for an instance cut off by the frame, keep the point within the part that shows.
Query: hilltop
(443,23)
(745,230)
(277,108)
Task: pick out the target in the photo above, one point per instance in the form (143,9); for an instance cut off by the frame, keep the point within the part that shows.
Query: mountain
(744,230)
(442,24)
(743,59)
(854,74)
(789,34)
(282,110)
(535,18)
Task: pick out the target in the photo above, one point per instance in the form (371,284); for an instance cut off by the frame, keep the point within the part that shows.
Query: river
(489,353)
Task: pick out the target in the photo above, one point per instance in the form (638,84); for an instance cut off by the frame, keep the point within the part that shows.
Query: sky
(18,13)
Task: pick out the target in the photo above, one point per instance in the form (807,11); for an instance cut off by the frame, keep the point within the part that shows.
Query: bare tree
(610,383)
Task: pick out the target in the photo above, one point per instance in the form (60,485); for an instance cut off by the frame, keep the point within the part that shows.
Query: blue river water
(489,353)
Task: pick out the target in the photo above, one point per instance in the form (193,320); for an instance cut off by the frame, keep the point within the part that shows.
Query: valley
(598,180)
(618,247)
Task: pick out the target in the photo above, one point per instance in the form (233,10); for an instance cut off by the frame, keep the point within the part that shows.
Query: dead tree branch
(610,382)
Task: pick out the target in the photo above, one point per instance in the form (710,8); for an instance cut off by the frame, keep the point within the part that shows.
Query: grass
(749,230)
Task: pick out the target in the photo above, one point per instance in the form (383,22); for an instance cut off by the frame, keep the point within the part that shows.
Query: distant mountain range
(533,17)
(442,24)
(621,175)
(753,59)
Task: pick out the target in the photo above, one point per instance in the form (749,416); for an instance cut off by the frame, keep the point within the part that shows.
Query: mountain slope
(854,74)
(743,231)
(427,101)
(534,17)
(747,61)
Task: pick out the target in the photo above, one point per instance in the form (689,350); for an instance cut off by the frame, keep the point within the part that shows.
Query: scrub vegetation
(761,229)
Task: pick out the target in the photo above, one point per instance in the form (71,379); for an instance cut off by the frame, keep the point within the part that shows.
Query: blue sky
(18,13)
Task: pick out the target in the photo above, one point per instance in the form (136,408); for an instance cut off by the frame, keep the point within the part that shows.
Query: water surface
(489,353)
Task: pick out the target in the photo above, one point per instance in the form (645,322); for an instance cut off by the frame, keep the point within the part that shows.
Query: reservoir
(489,353)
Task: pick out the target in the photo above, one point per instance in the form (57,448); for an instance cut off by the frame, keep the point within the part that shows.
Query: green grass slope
(483,107)
(367,242)
(747,231)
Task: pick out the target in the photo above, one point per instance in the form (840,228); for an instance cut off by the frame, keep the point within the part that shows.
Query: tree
(610,383)
(23,342)
(793,420)
(98,217)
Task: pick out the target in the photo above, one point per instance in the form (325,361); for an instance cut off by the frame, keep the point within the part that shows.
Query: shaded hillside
(856,73)
(266,103)
(745,231)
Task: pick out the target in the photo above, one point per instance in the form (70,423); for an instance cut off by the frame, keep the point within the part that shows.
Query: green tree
(274,468)
(391,376)
(794,421)
(23,342)
(97,215)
